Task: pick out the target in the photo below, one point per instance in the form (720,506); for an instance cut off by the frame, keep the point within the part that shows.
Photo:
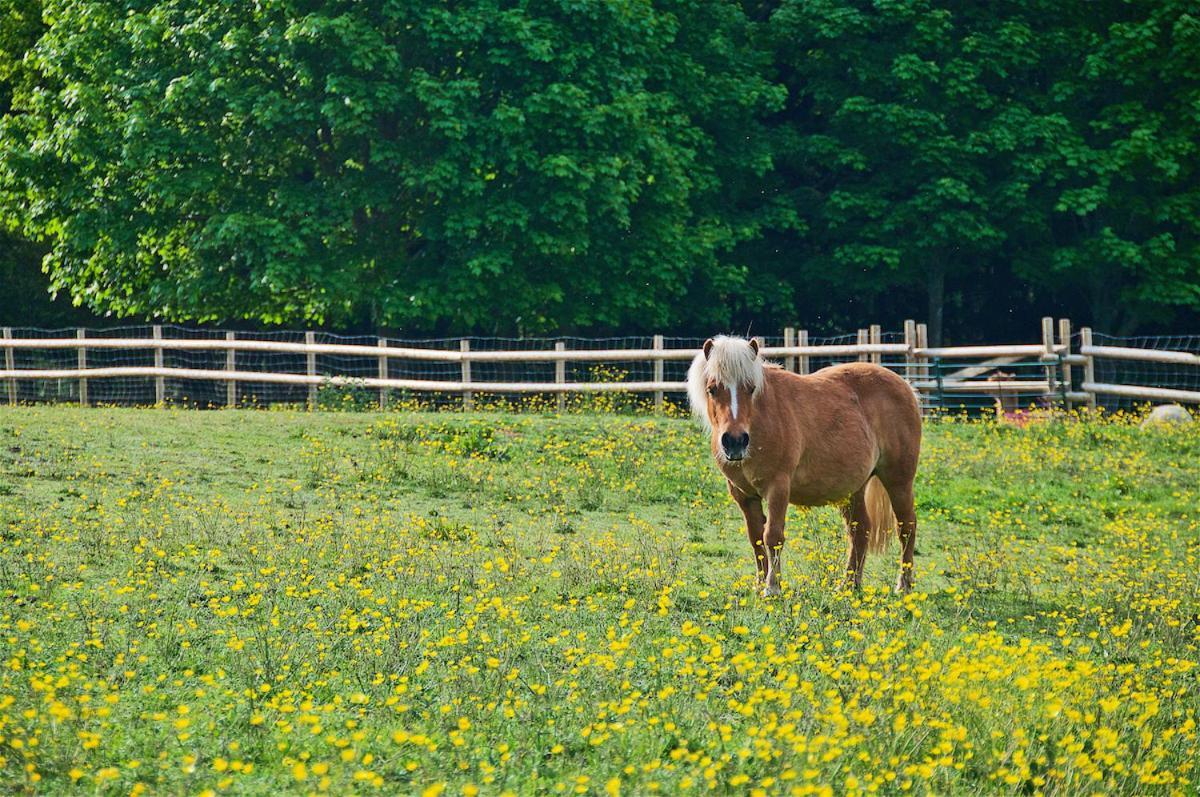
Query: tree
(23,297)
(996,147)
(481,165)
(1121,192)
(20,27)
(909,144)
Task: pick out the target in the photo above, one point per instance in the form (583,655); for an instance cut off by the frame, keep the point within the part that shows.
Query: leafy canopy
(481,164)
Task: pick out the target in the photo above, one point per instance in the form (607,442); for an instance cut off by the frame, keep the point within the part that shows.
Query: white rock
(1167,414)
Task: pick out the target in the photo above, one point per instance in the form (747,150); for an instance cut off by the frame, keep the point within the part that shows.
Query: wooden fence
(933,371)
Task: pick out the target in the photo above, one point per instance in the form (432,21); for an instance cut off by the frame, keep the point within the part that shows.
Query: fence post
(1064,339)
(468,398)
(803,362)
(658,373)
(1089,365)
(876,338)
(941,387)
(910,343)
(310,338)
(862,341)
(560,375)
(789,340)
(383,374)
(1048,350)
(230,366)
(922,343)
(10,365)
(160,383)
(83,386)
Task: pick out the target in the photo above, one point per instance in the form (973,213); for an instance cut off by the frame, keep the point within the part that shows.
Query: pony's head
(723,383)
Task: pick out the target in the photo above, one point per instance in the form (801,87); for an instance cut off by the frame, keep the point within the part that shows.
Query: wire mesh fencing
(143,365)
(1179,375)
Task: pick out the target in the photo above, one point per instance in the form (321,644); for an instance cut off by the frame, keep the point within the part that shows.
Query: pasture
(280,602)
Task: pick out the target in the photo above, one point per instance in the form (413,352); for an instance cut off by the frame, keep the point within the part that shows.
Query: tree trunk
(936,286)
(1109,314)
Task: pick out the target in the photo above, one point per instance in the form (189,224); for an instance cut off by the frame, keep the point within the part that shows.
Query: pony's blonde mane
(731,361)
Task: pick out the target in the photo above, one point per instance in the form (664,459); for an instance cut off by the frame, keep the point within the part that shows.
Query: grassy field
(267,602)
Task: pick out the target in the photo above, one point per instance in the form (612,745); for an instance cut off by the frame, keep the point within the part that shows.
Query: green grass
(266,602)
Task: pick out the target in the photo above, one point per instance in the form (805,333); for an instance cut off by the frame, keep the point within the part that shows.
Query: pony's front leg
(752,511)
(777,506)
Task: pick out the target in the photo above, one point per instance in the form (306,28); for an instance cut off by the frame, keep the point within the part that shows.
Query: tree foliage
(562,165)
(536,164)
(1123,190)
(911,145)
(1035,143)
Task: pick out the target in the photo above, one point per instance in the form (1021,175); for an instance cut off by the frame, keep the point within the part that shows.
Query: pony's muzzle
(735,445)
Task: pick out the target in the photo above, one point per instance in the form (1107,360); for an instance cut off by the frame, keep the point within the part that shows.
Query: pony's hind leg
(756,521)
(906,523)
(858,527)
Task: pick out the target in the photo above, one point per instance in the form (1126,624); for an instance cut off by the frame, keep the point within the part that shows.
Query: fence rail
(438,355)
(998,374)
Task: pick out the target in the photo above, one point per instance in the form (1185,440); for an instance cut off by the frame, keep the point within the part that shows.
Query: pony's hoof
(903,585)
(771,591)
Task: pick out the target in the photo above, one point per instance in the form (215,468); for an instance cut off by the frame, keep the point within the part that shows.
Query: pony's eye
(750,389)
(712,390)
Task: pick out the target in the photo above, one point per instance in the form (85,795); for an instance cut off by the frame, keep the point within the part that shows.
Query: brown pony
(851,431)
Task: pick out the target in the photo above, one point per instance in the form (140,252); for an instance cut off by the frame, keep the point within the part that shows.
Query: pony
(848,435)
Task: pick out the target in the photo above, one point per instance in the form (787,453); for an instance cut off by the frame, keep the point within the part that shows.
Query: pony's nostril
(727,441)
(745,439)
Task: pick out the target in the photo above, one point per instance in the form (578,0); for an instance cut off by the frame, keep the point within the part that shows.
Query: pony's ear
(754,346)
(708,344)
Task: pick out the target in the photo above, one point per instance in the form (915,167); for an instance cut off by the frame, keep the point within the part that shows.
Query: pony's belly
(806,489)
(806,496)
(812,489)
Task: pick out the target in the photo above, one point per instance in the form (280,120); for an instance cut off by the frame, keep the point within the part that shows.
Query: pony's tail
(881,514)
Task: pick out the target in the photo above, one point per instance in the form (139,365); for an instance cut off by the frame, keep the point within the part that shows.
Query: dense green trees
(476,166)
(982,146)
(553,165)
(911,142)
(1123,170)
